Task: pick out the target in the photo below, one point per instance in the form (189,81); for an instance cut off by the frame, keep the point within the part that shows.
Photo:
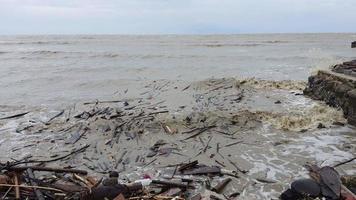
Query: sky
(176,16)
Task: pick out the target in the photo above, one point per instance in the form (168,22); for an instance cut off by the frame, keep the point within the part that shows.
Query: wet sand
(267,128)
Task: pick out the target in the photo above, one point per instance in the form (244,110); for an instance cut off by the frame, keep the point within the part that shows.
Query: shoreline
(265,127)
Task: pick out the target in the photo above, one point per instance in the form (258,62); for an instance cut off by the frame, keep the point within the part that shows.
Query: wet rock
(113,174)
(301,189)
(320,126)
(306,187)
(337,90)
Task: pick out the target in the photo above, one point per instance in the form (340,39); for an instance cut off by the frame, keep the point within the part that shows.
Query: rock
(337,90)
(352,107)
(306,187)
(277,102)
(353,44)
(113,174)
(302,189)
(320,126)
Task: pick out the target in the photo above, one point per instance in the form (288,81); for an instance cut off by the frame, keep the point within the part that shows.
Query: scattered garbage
(20,182)
(144,149)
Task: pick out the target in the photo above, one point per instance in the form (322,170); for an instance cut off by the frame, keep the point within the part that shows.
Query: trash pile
(18,181)
(185,182)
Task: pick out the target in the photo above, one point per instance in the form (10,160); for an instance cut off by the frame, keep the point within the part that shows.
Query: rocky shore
(337,87)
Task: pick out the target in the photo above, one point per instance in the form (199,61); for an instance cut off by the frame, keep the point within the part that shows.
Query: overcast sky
(175,16)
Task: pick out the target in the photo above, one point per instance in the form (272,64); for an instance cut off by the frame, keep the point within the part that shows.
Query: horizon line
(173,34)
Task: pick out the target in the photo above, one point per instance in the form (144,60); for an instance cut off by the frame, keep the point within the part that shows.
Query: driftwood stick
(187,165)
(171,184)
(345,162)
(207,144)
(14,116)
(199,132)
(34,187)
(48,169)
(38,193)
(97,102)
(221,185)
(9,165)
(17,189)
(54,117)
(7,192)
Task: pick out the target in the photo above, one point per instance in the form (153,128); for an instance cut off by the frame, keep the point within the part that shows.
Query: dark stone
(353,44)
(320,126)
(290,195)
(278,102)
(306,187)
(113,174)
(352,107)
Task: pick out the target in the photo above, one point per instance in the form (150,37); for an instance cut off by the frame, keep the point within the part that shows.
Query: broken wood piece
(76,136)
(31,186)
(32,177)
(158,112)
(220,163)
(48,169)
(54,117)
(186,88)
(172,184)
(201,130)
(14,116)
(168,129)
(119,160)
(83,180)
(17,188)
(9,165)
(97,102)
(187,165)
(238,169)
(221,185)
(345,162)
(234,143)
(201,170)
(207,144)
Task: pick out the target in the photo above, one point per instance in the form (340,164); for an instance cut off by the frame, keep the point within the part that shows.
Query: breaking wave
(229,45)
(304,119)
(271,85)
(34,42)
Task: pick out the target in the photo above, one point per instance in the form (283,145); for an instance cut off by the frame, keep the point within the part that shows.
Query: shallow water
(47,74)
(64,69)
(275,140)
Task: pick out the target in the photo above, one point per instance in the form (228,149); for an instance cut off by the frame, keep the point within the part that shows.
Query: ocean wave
(34,42)
(105,55)
(270,84)
(228,45)
(275,41)
(304,119)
